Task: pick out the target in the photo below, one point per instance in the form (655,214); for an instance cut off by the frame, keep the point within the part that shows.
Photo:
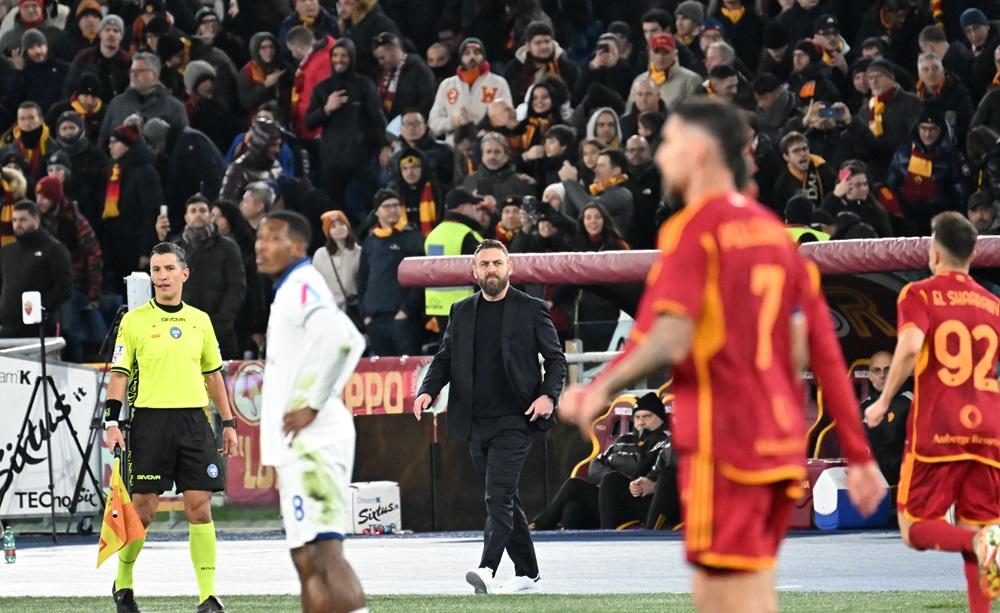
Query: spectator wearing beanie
(392,314)
(176,52)
(690,17)
(926,173)
(132,198)
(675,82)
(88,21)
(854,194)
(347,108)
(890,116)
(465,97)
(339,260)
(810,79)
(28,15)
(837,53)
(206,113)
(146,96)
(62,219)
(898,22)
(265,78)
(418,189)
(983,37)
(362,26)
(106,60)
(83,161)
(212,29)
(311,15)
(539,56)
(86,102)
(743,28)
(258,164)
(982,212)
(40,77)
(776,54)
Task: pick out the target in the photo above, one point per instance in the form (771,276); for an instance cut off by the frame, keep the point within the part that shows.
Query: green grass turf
(828,602)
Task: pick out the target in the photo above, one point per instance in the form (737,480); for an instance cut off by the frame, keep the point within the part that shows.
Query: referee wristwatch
(229,423)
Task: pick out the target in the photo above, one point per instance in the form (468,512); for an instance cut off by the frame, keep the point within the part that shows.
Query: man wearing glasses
(887,438)
(145,96)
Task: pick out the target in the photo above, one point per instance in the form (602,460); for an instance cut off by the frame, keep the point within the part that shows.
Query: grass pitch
(825,602)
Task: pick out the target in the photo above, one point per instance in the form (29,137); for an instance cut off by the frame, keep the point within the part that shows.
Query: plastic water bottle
(9,546)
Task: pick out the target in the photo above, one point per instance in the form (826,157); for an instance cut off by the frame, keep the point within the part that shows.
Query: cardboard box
(375,507)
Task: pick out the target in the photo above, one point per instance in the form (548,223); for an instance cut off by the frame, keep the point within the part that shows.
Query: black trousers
(499,455)
(665,507)
(581,505)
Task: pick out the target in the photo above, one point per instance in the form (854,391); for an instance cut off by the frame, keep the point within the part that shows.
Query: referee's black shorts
(173,446)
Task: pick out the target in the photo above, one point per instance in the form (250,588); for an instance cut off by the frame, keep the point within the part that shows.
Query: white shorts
(315,494)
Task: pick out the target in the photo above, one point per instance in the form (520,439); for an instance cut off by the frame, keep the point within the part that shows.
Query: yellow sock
(126,562)
(201,539)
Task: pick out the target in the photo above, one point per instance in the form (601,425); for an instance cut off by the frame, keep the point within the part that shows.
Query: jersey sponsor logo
(212,470)
(172,319)
(117,355)
(970,416)
(175,332)
(147,477)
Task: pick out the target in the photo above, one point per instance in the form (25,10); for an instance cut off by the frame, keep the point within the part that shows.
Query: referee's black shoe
(124,600)
(211,605)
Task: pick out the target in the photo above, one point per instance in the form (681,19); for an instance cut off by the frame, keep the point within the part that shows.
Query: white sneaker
(481,579)
(518,585)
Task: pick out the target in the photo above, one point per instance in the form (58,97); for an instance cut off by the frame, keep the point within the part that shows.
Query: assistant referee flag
(121,521)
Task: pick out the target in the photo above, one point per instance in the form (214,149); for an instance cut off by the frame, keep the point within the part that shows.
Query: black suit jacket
(527,332)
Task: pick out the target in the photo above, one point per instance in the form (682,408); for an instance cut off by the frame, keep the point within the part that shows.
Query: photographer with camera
(606,68)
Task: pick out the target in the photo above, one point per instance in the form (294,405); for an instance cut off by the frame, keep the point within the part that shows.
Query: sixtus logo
(14,457)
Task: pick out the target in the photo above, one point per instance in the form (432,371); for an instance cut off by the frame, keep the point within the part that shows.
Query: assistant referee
(167,357)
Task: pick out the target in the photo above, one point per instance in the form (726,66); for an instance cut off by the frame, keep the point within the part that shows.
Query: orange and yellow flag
(121,521)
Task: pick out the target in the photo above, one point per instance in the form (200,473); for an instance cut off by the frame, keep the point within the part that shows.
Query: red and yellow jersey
(955,413)
(728,264)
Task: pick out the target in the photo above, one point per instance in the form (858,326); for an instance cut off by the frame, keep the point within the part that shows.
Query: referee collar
(288,271)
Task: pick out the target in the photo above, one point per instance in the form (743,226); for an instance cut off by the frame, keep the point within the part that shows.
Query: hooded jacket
(411,196)
(250,79)
(353,133)
(592,125)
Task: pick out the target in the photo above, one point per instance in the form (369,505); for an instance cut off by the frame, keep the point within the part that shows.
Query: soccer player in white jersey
(305,429)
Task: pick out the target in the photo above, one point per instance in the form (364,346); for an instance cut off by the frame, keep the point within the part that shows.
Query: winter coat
(813,83)
(362,29)
(954,98)
(921,198)
(158,103)
(744,35)
(415,90)
(131,235)
(988,113)
(250,79)
(352,134)
(311,71)
(113,72)
(633,454)
(789,184)
(523,71)
(378,285)
(72,42)
(217,285)
(194,165)
(87,175)
(439,155)
(617,78)
(983,67)
(250,167)
(454,94)
(903,47)
(39,82)
(35,262)
(616,199)
(347,263)
(238,147)
(898,119)
(501,183)
(325,25)
(799,22)
(868,211)
(410,196)
(68,225)
(680,84)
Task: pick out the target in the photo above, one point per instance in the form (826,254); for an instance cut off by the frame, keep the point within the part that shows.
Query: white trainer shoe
(481,579)
(518,585)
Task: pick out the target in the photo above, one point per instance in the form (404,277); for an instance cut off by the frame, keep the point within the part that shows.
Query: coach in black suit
(498,397)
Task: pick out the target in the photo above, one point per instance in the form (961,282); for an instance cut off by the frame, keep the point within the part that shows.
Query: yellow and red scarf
(254,72)
(937,12)
(827,59)
(734,15)
(7,214)
(876,108)
(427,210)
(534,126)
(923,93)
(658,76)
(996,80)
(383,232)
(598,187)
(388,83)
(36,154)
(82,110)
(504,235)
(113,193)
(920,164)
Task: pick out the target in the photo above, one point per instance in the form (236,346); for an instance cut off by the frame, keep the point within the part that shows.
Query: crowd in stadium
(403,128)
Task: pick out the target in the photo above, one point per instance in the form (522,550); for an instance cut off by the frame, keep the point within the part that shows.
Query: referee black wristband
(112,409)
(229,423)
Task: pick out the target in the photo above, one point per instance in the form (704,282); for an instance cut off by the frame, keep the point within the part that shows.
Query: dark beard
(492,285)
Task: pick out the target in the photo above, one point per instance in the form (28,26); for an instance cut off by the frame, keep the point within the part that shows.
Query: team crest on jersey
(212,470)
(117,355)
(175,332)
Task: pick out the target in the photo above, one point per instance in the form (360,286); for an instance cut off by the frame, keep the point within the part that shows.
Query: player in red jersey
(732,307)
(948,333)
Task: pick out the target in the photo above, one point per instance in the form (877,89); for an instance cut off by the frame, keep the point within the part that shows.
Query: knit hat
(776,36)
(155,131)
(933,113)
(169,46)
(825,24)
(196,73)
(662,41)
(472,40)
(651,403)
(875,41)
(973,17)
(61,159)
(981,200)
(511,201)
(883,66)
(112,21)
(382,195)
(126,135)
(809,48)
(693,10)
(204,13)
(859,65)
(765,83)
(329,217)
(620,29)
(263,132)
(799,210)
(32,38)
(537,28)
(91,7)
(157,25)
(459,196)
(712,24)
(72,116)
(51,188)
(89,83)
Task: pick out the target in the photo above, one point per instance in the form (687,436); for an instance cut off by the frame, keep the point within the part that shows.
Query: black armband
(112,409)
(229,423)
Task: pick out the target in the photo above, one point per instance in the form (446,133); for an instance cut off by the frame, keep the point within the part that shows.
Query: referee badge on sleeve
(117,355)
